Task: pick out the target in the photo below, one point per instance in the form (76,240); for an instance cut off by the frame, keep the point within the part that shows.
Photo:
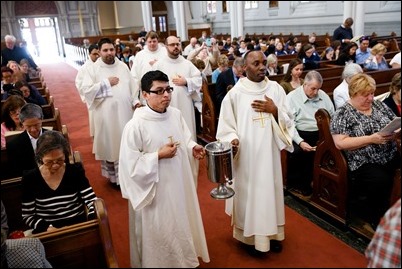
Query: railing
(75,54)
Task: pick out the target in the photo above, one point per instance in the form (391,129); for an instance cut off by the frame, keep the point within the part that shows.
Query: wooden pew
(49,110)
(209,117)
(331,190)
(54,122)
(83,245)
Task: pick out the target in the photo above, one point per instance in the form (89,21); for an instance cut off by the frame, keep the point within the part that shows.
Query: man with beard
(111,94)
(256,120)
(186,80)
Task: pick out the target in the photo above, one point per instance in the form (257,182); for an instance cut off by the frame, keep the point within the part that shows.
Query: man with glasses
(21,149)
(112,95)
(186,80)
(155,176)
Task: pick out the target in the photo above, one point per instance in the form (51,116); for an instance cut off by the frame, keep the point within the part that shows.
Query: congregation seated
(376,60)
(7,79)
(309,56)
(55,193)
(292,78)
(396,61)
(30,93)
(25,69)
(341,92)
(348,54)
(393,101)
(226,80)
(327,54)
(18,251)
(371,156)
(363,52)
(223,65)
(10,120)
(272,65)
(304,102)
(21,148)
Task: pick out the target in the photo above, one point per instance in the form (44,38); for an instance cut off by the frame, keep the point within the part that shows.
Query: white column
(180,18)
(240,18)
(359,18)
(347,10)
(233,19)
(146,8)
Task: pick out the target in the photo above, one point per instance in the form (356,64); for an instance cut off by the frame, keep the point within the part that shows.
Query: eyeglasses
(15,112)
(50,163)
(162,91)
(174,44)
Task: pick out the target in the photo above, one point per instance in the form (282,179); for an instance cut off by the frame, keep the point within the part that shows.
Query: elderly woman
(56,193)
(272,65)
(371,155)
(376,61)
(341,92)
(393,101)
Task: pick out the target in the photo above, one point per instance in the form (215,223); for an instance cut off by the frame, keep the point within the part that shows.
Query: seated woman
(309,56)
(372,156)
(30,93)
(56,193)
(327,54)
(292,79)
(272,65)
(223,64)
(10,116)
(25,69)
(376,61)
(7,80)
(348,54)
(393,101)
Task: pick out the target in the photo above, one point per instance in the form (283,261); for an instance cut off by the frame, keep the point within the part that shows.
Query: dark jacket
(21,155)
(224,79)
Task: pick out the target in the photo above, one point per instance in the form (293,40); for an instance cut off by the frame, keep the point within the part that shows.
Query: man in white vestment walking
(147,57)
(111,94)
(93,56)
(186,80)
(255,118)
(166,229)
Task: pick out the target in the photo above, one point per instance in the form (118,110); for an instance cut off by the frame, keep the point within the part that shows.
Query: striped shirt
(70,203)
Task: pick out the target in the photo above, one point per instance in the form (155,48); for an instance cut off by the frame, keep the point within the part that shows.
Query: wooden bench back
(330,185)
(83,245)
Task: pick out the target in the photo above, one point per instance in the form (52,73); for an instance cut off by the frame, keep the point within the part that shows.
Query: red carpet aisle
(306,244)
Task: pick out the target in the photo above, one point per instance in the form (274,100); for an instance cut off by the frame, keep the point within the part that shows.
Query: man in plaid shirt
(384,250)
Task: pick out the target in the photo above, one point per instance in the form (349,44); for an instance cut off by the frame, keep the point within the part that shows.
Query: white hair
(10,38)
(350,70)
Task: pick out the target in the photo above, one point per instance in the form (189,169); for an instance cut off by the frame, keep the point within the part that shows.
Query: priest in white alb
(255,118)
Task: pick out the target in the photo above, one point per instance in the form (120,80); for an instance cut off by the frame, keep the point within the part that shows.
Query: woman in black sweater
(56,193)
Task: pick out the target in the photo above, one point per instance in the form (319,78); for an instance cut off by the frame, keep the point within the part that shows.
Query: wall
(121,17)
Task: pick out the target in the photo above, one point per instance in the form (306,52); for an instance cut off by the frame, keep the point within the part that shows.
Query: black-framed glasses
(162,91)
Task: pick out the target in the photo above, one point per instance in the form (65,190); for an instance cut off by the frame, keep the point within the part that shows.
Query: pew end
(330,181)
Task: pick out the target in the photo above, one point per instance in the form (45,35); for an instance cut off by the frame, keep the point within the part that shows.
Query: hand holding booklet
(392,127)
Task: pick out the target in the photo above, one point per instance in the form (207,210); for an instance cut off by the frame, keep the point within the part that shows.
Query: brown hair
(395,84)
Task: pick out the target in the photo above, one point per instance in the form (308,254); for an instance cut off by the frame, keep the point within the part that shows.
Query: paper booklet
(392,127)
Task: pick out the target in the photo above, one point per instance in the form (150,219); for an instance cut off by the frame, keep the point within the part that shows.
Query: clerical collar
(157,111)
